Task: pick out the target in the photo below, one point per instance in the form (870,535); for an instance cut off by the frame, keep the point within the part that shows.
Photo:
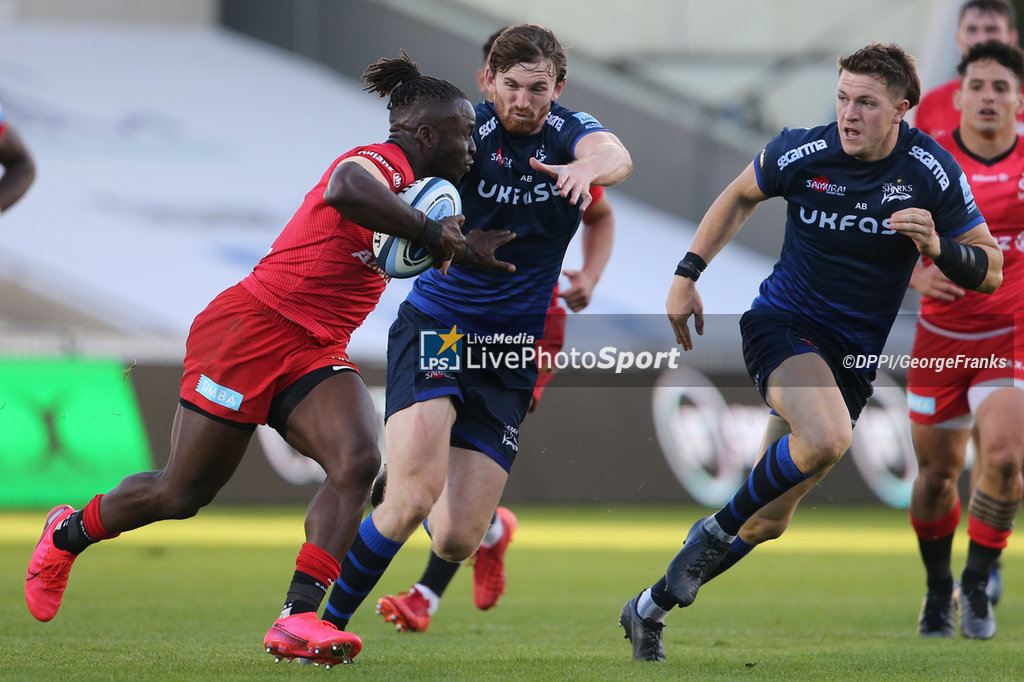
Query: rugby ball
(401,258)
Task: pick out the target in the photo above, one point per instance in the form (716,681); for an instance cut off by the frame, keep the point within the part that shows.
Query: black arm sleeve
(964,265)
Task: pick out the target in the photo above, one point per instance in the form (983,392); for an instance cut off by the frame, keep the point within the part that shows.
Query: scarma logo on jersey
(440,350)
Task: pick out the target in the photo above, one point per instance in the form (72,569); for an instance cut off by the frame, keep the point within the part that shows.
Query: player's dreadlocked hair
(889,63)
(400,80)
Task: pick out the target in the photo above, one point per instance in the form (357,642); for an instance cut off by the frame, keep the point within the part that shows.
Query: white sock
(646,607)
(711,525)
(430,596)
(494,532)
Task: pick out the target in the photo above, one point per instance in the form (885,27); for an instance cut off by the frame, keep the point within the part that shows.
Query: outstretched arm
(720,224)
(601,159)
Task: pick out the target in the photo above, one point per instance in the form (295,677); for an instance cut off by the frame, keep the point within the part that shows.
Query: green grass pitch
(836,598)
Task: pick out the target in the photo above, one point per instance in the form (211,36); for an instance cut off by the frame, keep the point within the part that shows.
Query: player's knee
(178,502)
(827,443)
(408,505)
(355,465)
(937,481)
(1003,459)
(938,469)
(451,547)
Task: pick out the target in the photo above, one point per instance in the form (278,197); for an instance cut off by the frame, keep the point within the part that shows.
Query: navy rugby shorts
(771,336)
(490,402)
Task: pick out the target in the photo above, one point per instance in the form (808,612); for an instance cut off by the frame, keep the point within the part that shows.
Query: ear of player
(401,258)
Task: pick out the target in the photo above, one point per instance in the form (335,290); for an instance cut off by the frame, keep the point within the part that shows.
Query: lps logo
(440,350)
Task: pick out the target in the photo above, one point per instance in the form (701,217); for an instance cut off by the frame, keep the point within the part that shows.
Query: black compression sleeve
(964,265)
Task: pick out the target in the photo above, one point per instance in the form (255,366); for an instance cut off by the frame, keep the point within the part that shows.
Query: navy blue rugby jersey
(502,191)
(841,268)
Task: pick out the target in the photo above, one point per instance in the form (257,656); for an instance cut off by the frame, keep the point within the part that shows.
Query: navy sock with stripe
(439,574)
(365,563)
(737,550)
(772,476)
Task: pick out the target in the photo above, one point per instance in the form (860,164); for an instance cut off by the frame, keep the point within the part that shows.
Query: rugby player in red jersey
(980,20)
(946,402)
(272,350)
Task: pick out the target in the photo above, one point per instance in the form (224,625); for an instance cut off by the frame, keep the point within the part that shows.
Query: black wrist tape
(431,233)
(964,265)
(691,266)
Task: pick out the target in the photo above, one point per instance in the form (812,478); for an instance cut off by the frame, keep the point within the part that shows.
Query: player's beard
(515,125)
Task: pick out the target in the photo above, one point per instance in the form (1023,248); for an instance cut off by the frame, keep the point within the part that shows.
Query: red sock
(318,563)
(940,527)
(986,535)
(91,521)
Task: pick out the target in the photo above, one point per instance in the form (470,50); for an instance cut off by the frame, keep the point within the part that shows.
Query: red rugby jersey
(998,187)
(320,272)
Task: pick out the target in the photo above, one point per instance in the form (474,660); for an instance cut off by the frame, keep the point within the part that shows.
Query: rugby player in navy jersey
(866,196)
(412,611)
(451,436)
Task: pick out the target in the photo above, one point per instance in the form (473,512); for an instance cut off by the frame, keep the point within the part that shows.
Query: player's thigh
(998,422)
(471,493)
(417,440)
(803,391)
(204,452)
(335,419)
(940,451)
